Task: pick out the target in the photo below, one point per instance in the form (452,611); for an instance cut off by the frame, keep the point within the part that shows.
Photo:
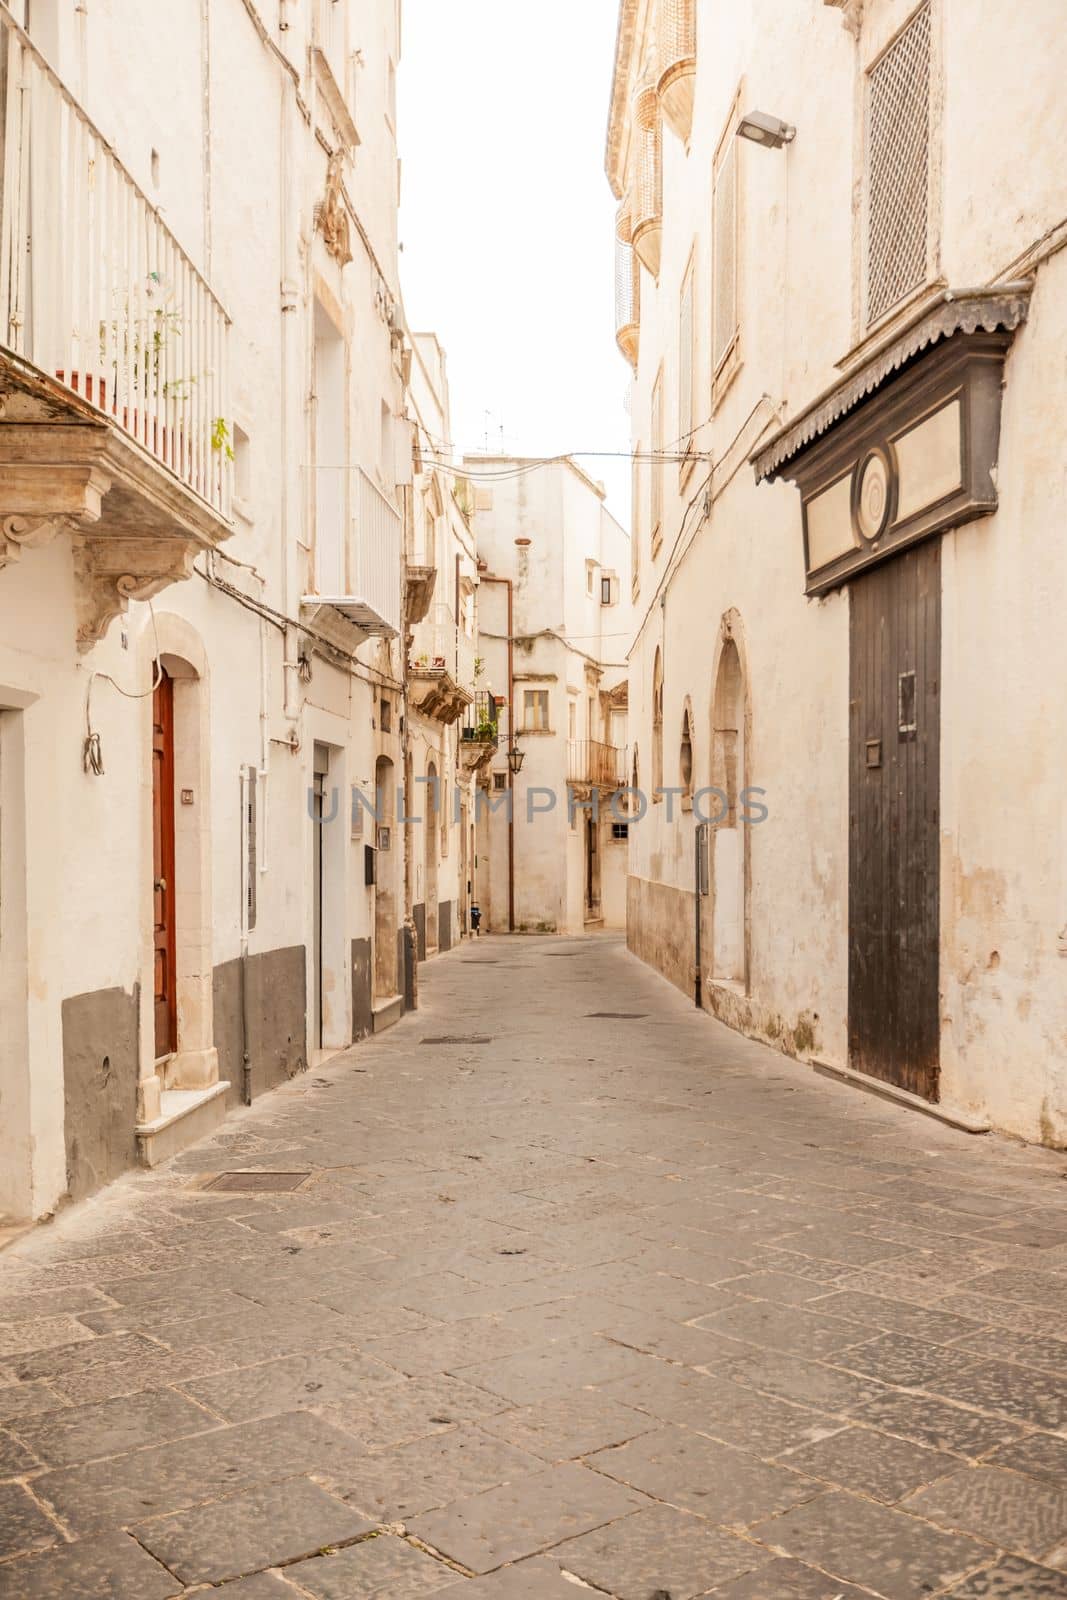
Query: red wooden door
(163,866)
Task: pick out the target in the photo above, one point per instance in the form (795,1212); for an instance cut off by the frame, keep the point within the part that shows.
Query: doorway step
(186,1115)
(387,1011)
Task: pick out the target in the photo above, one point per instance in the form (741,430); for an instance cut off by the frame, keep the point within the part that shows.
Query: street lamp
(769,131)
(516,757)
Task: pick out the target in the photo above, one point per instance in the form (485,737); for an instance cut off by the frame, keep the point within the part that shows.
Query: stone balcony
(113,386)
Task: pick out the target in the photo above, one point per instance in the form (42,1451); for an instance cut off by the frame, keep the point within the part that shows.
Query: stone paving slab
(263,1527)
(672,1318)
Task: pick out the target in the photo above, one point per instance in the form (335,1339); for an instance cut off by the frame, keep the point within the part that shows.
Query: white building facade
(845,316)
(203,380)
(554,630)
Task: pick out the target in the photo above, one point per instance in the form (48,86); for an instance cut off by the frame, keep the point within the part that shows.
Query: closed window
(725,315)
(535,710)
(898,167)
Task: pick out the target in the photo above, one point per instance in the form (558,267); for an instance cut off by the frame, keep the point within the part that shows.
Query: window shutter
(724,272)
(656,465)
(252,826)
(685,365)
(898,168)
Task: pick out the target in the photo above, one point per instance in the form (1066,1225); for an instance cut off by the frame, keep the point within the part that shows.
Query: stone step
(186,1115)
(387,1011)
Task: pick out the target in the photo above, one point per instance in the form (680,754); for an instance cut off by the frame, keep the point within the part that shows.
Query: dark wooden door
(163,888)
(894,778)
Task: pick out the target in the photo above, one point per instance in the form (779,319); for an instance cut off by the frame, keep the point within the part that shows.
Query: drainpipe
(487,577)
(701,847)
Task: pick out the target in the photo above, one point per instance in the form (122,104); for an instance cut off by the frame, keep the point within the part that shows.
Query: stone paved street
(580,1288)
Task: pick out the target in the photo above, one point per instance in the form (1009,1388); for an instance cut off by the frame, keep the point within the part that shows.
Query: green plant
(220,437)
(479,666)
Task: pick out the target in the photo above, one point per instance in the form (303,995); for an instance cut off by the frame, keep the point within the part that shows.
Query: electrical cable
(92,751)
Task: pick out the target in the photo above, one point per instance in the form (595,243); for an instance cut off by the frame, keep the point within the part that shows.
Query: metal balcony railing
(647,214)
(592,762)
(442,642)
(481,723)
(678,63)
(95,291)
(359,547)
(627,288)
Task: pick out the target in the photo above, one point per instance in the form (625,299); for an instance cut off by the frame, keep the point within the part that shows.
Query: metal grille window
(898,167)
(724,268)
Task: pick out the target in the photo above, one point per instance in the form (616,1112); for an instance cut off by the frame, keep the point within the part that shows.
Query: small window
(620,831)
(590,576)
(572,719)
(386,710)
(535,710)
(607,592)
(242,465)
(500,780)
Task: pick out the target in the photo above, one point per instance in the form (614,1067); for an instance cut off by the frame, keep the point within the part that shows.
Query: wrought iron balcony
(359,555)
(678,63)
(594,765)
(627,289)
(647,214)
(480,733)
(115,348)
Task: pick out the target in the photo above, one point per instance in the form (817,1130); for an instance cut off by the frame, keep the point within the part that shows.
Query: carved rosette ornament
(332,217)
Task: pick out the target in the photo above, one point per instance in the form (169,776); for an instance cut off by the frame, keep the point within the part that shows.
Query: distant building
(554,630)
(443,668)
(842,289)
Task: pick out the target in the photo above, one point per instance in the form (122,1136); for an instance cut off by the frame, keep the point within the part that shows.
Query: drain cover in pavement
(619,1016)
(258,1180)
(459,1038)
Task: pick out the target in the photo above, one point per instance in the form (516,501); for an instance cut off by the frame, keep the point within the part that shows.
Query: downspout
(698,981)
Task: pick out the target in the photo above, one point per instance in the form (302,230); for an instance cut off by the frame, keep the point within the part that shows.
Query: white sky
(507,222)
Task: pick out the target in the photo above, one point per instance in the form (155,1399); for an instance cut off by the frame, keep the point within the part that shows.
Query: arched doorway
(385,894)
(429,829)
(730,835)
(657,725)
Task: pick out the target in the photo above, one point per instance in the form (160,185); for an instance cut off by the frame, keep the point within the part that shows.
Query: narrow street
(566,1285)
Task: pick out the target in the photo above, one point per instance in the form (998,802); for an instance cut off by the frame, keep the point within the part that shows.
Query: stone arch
(685,748)
(193,1063)
(430,819)
(386,983)
(657,724)
(731,844)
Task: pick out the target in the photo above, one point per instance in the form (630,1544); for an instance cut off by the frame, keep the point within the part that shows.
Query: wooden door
(163,887)
(894,782)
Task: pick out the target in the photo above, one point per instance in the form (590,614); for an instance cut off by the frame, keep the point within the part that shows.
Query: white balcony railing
(94,289)
(376,554)
(438,641)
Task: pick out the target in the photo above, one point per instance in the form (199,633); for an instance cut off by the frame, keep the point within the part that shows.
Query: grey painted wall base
(362,989)
(100,1053)
(444,926)
(267,993)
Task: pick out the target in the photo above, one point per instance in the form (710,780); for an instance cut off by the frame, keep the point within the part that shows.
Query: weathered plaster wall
(100,1072)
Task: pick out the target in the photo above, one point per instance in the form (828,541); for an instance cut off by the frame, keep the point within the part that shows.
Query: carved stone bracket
(111,573)
(28,533)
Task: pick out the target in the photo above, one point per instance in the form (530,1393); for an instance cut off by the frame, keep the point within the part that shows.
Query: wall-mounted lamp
(516,757)
(765,130)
